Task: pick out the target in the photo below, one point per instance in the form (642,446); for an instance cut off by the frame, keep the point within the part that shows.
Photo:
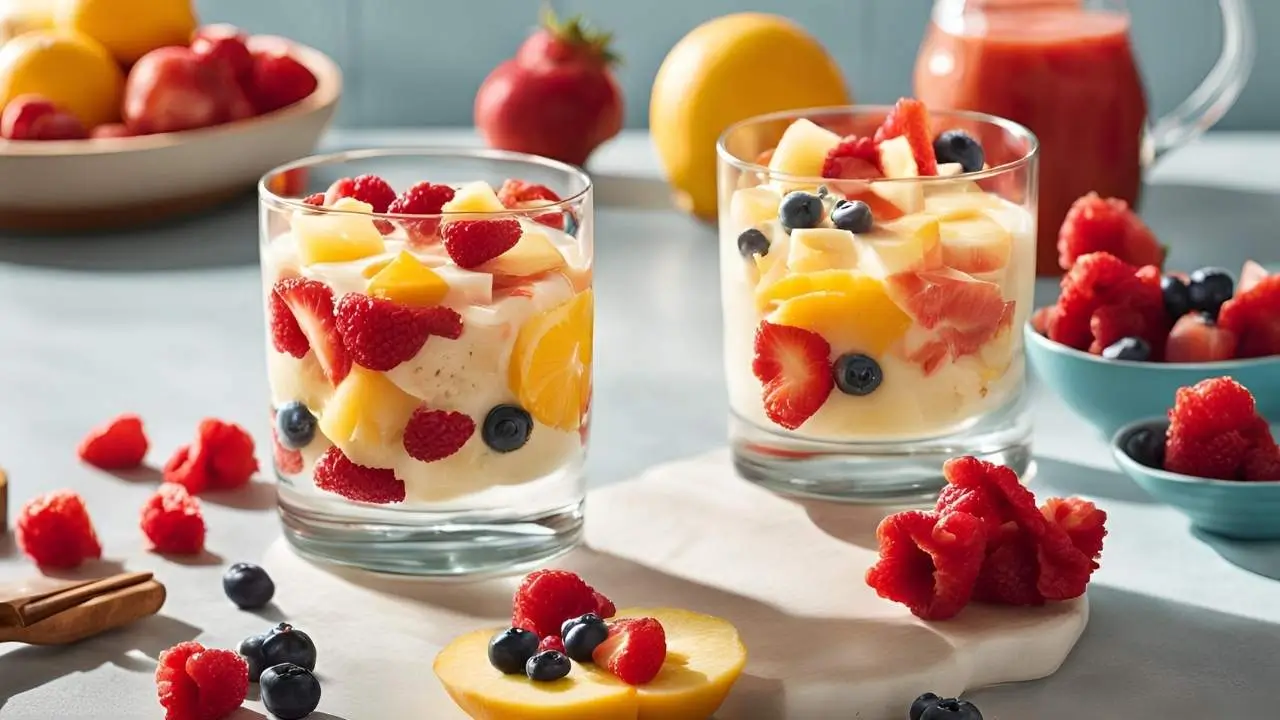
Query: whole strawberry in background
(557,97)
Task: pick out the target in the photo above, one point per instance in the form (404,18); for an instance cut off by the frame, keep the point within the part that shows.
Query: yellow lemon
(72,71)
(550,369)
(130,29)
(725,70)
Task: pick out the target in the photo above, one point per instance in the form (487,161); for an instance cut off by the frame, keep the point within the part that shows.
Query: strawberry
(1197,338)
(1095,224)
(909,118)
(793,364)
(119,444)
(472,243)
(310,303)
(634,651)
(855,158)
(278,80)
(436,434)
(520,194)
(1254,316)
(421,199)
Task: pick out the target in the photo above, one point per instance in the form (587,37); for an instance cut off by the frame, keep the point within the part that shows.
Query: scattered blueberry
(852,215)
(857,374)
(1145,446)
(295,425)
(506,428)
(800,209)
(922,703)
(951,709)
(248,586)
(1177,298)
(290,692)
(583,635)
(251,650)
(1130,348)
(956,146)
(547,665)
(510,649)
(753,242)
(286,644)
(1209,288)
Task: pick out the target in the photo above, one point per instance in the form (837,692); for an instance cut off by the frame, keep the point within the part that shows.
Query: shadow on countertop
(1260,557)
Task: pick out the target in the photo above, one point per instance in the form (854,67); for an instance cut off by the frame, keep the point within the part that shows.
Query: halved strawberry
(472,243)
(634,651)
(311,304)
(794,366)
(1195,338)
(910,118)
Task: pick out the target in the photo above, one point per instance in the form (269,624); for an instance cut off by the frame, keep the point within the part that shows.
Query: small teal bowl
(1233,509)
(1109,394)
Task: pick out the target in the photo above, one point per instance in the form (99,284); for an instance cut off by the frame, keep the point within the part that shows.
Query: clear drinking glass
(430,390)
(915,320)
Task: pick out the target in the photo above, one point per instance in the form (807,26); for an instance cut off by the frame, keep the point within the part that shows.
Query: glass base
(439,544)
(886,472)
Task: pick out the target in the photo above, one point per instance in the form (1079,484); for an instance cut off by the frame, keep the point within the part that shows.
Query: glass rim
(270,197)
(1016,129)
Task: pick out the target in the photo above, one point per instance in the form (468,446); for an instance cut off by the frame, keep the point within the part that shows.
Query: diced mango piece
(533,254)
(366,417)
(324,238)
(861,319)
(907,244)
(407,281)
(815,249)
(803,149)
(476,197)
(753,206)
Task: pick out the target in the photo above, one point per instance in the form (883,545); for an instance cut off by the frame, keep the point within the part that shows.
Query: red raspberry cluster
(1215,432)
(986,540)
(1104,299)
(198,683)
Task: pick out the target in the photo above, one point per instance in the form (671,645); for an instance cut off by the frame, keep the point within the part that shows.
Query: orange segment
(805,283)
(551,362)
(862,318)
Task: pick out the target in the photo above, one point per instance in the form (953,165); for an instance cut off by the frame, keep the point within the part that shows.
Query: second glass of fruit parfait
(429,351)
(877,265)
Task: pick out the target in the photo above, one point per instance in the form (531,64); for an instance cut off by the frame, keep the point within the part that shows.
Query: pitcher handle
(1219,90)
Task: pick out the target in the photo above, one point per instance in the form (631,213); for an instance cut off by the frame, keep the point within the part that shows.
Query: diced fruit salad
(873,304)
(429,343)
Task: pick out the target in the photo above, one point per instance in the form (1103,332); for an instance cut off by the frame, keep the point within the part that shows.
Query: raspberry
(1040,319)
(1083,522)
(188,467)
(286,335)
(120,444)
(369,189)
(1111,323)
(910,118)
(287,461)
(1216,457)
(854,158)
(55,531)
(230,453)
(1211,407)
(634,651)
(195,683)
(1103,295)
(421,199)
(335,473)
(929,561)
(436,434)
(471,243)
(520,194)
(172,521)
(546,598)
(1010,571)
(990,492)
(316,199)
(551,642)
(380,334)
(1095,224)
(1254,316)
(1262,463)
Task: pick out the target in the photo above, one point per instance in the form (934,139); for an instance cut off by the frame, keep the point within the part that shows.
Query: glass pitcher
(1065,69)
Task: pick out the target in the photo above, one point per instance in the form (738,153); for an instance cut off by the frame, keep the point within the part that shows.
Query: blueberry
(506,428)
(956,146)
(251,650)
(951,709)
(1130,348)
(800,210)
(753,242)
(1177,299)
(510,649)
(858,374)
(852,215)
(248,586)
(290,692)
(547,666)
(1209,288)
(285,644)
(1146,447)
(295,425)
(584,636)
(567,625)
(922,703)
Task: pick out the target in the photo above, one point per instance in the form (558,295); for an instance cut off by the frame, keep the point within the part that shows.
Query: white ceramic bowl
(119,182)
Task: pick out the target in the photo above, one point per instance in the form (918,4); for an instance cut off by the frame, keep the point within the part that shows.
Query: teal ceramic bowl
(1240,510)
(1109,394)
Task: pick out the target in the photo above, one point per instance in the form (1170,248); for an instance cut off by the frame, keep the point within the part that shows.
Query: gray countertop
(167,322)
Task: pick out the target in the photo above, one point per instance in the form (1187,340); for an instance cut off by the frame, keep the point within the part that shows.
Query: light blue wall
(419,62)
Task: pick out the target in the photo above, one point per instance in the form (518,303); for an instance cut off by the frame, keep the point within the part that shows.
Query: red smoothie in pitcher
(1066,73)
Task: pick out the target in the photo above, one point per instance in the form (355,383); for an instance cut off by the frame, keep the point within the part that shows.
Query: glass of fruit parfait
(877,265)
(429,345)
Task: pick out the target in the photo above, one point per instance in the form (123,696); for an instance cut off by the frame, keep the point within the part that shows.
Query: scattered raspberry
(1103,286)
(1064,568)
(472,243)
(1197,338)
(910,118)
(794,366)
(1262,463)
(992,493)
(1111,323)
(1095,224)
(287,461)
(929,561)
(1010,571)
(604,606)
(1083,522)
(316,199)
(172,521)
(854,158)
(1216,457)
(311,305)
(634,651)
(436,434)
(1212,426)
(380,334)
(520,194)
(55,531)
(195,683)
(1254,316)
(120,444)
(335,473)
(188,467)
(551,642)
(421,199)
(221,458)
(546,598)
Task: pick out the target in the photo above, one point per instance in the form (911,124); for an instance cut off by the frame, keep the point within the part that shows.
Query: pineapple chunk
(337,237)
(406,280)
(476,197)
(533,254)
(908,244)
(814,249)
(897,159)
(803,149)
(366,417)
(754,206)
